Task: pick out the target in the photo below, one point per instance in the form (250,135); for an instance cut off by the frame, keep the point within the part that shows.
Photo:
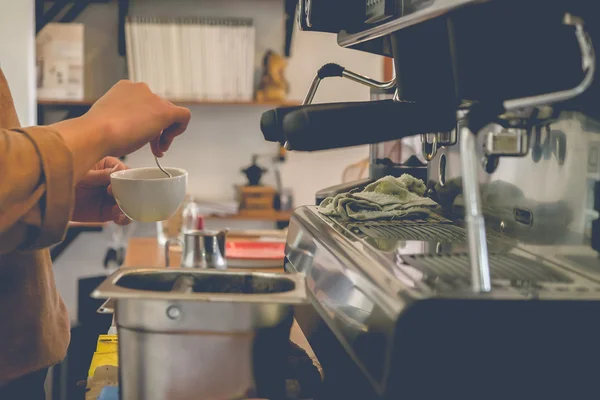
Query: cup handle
(167,243)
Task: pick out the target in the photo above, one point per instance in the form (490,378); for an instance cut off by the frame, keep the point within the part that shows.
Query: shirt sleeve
(37,188)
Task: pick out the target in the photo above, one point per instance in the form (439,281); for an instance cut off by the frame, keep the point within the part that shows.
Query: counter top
(145,252)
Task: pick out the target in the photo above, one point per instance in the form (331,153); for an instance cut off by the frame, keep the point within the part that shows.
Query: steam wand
(336,70)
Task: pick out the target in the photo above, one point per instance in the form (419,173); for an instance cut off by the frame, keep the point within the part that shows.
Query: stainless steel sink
(191,333)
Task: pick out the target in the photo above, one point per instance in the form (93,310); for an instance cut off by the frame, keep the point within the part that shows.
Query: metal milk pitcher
(201,249)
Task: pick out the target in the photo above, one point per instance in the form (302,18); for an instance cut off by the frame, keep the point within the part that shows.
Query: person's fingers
(169,135)
(107,208)
(180,119)
(155,146)
(114,164)
(115,213)
(118,217)
(117,165)
(100,177)
(122,220)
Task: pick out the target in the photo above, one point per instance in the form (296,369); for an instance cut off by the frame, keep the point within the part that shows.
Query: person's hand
(126,118)
(93,195)
(132,116)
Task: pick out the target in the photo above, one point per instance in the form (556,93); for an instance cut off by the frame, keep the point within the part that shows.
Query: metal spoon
(161,168)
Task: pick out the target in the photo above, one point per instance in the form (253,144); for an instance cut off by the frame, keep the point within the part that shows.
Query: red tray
(255,250)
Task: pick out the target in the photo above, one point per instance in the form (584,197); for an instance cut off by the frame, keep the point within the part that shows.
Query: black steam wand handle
(353,124)
(271,122)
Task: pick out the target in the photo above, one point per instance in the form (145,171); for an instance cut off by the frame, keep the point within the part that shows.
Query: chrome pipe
(365,80)
(353,76)
(588,63)
(478,251)
(312,90)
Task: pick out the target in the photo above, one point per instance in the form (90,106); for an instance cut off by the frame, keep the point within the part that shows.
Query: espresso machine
(500,298)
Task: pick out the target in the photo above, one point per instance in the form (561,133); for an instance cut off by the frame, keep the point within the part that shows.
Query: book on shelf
(211,59)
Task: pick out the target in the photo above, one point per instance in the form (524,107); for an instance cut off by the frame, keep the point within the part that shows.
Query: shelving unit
(88,103)
(75,7)
(276,216)
(76,108)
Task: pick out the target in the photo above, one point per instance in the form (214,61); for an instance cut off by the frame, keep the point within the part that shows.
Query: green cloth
(388,198)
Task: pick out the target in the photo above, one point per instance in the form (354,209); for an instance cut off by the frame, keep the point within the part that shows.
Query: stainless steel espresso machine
(501,298)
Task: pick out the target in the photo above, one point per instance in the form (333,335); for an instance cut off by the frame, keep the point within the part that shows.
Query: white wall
(17,55)
(221,139)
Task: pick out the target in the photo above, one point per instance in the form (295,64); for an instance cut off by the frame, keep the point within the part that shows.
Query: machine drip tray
(438,230)
(589,263)
(435,232)
(505,267)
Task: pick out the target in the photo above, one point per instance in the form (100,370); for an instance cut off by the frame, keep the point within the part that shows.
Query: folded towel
(387,198)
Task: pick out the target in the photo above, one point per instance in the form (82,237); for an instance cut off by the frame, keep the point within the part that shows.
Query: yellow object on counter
(106,354)
(107,343)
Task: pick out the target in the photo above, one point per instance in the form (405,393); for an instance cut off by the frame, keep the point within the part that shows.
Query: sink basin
(208,285)
(195,333)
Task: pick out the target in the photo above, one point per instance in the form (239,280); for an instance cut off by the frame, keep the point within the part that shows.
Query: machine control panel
(411,6)
(379,10)
(330,15)
(355,15)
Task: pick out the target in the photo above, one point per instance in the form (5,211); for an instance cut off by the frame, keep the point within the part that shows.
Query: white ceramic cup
(147,194)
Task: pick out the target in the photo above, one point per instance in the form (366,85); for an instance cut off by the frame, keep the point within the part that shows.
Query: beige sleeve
(37,188)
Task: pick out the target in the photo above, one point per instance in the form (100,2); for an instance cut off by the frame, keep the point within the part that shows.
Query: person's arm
(40,166)
(36,188)
(87,142)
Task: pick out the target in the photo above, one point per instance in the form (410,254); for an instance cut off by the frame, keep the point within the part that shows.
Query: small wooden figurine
(273,85)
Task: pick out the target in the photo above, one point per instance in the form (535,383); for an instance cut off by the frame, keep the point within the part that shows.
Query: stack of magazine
(221,208)
(193,58)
